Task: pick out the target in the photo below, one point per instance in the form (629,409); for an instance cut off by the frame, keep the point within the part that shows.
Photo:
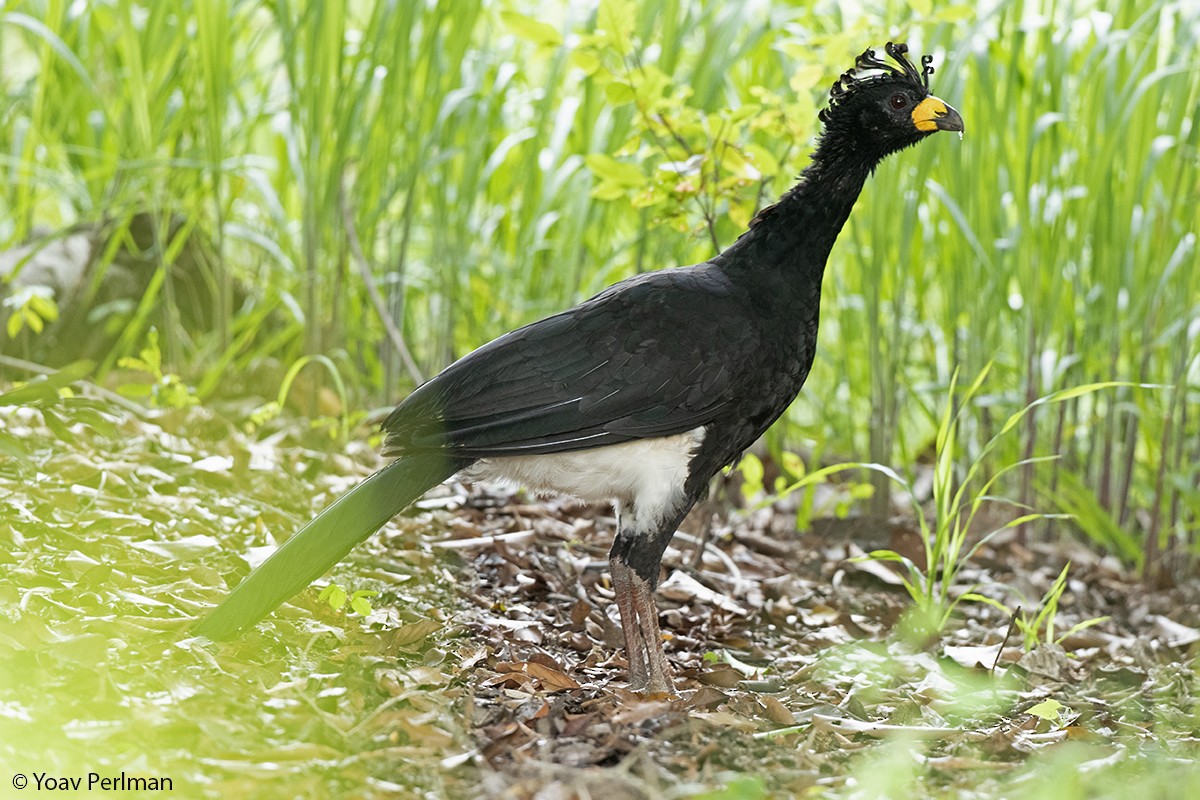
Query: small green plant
(269,411)
(957,502)
(751,469)
(1049,711)
(1039,627)
(32,307)
(55,399)
(337,597)
(163,389)
(794,471)
(47,389)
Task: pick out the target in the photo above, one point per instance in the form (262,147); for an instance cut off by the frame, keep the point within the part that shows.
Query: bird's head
(876,108)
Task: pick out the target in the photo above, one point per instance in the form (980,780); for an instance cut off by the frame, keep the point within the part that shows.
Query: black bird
(642,393)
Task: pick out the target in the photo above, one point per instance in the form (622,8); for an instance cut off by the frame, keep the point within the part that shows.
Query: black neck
(793,237)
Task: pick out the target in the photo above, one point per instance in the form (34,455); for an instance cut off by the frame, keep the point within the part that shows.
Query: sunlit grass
(121,536)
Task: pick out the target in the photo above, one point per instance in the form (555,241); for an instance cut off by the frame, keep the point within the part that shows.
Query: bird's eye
(898,101)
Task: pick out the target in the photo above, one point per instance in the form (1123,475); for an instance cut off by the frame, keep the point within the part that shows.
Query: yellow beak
(932,114)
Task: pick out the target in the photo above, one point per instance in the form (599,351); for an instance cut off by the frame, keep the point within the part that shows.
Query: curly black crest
(850,80)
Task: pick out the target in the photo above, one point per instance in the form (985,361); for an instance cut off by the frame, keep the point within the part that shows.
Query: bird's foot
(658,690)
(649,673)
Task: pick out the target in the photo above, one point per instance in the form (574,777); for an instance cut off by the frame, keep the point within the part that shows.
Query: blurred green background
(243,165)
(487,163)
(225,190)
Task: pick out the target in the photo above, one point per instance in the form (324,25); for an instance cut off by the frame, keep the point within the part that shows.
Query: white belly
(647,473)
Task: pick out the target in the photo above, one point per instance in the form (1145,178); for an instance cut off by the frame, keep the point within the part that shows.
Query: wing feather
(612,369)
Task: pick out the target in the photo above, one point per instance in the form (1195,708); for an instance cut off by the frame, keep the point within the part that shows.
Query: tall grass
(1056,241)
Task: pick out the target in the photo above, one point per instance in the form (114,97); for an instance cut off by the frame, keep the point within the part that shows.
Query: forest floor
(488,663)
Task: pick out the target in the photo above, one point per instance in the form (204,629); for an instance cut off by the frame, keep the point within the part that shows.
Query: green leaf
(1075,498)
(650,84)
(1060,396)
(96,421)
(752,470)
(763,159)
(44,307)
(135,390)
(957,13)
(1079,626)
(616,18)
(359,602)
(1048,710)
(792,464)
(540,33)
(46,387)
(619,93)
(12,446)
(586,61)
(56,424)
(151,354)
(975,597)
(806,76)
(334,595)
(609,170)
(609,191)
(32,320)
(129,362)
(886,555)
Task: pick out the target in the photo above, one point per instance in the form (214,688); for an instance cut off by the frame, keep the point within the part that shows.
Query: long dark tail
(326,540)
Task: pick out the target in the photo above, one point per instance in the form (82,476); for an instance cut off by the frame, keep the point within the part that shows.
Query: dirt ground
(792,655)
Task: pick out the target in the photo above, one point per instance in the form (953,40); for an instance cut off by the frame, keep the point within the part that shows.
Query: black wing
(654,355)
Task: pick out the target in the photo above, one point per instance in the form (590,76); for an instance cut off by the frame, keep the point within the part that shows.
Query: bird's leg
(635,559)
(658,679)
(635,652)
